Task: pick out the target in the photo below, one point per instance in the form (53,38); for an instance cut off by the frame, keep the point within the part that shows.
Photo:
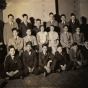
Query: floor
(70,79)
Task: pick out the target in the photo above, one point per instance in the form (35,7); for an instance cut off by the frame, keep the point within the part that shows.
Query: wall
(67,7)
(84,8)
(36,8)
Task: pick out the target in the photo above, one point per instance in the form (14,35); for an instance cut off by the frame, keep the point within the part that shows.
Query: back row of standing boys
(36,50)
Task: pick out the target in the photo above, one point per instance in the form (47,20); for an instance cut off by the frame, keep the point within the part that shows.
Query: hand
(15,72)
(30,70)
(80,63)
(10,73)
(47,69)
(1,43)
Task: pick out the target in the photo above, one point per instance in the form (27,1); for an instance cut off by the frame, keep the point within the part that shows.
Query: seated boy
(46,65)
(63,62)
(30,60)
(66,39)
(12,65)
(78,37)
(16,41)
(30,38)
(76,56)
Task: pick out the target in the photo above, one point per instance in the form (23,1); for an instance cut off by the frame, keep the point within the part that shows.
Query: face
(51,28)
(25,18)
(59,49)
(12,52)
(77,29)
(65,29)
(42,29)
(63,18)
(86,44)
(38,23)
(11,18)
(44,48)
(51,17)
(75,47)
(73,17)
(28,32)
(28,47)
(15,33)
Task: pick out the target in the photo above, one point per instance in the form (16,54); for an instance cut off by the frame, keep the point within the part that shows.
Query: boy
(24,25)
(36,29)
(76,56)
(63,22)
(16,41)
(30,38)
(78,37)
(73,23)
(12,65)
(7,33)
(46,65)
(62,59)
(66,38)
(30,60)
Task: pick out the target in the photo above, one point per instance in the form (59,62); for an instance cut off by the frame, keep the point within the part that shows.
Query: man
(76,56)
(30,38)
(45,60)
(63,22)
(30,60)
(52,21)
(7,33)
(16,41)
(37,28)
(66,38)
(63,63)
(78,37)
(24,25)
(73,23)
(13,66)
(85,51)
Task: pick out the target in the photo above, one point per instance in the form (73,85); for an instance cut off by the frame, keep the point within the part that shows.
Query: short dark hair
(14,29)
(28,29)
(29,43)
(63,15)
(11,46)
(24,15)
(59,46)
(10,15)
(51,13)
(74,44)
(52,25)
(38,19)
(41,26)
(44,45)
(72,14)
(65,26)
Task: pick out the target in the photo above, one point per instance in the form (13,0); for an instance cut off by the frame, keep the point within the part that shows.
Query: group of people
(43,50)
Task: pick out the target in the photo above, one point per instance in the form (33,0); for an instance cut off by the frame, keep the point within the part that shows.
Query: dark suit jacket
(73,26)
(43,59)
(62,59)
(35,31)
(23,28)
(30,60)
(78,56)
(12,65)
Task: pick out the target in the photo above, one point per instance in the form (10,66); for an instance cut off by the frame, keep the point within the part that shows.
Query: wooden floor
(70,79)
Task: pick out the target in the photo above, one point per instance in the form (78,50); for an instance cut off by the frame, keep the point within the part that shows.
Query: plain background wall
(34,8)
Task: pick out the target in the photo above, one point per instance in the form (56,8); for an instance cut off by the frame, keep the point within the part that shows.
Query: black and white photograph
(43,43)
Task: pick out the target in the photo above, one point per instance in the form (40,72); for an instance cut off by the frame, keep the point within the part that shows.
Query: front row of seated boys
(44,62)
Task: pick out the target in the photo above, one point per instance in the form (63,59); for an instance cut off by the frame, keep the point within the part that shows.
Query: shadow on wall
(18,21)
(84,27)
(32,21)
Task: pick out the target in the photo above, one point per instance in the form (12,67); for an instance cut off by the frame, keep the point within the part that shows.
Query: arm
(34,41)
(5,34)
(20,46)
